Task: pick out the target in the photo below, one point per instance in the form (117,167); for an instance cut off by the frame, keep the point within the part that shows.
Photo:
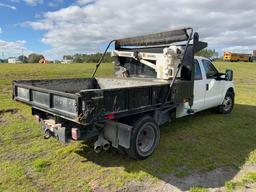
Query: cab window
(210,70)
(198,73)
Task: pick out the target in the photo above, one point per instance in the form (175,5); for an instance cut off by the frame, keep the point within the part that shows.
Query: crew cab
(211,89)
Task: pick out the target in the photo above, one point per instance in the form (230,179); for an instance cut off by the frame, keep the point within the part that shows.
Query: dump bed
(86,100)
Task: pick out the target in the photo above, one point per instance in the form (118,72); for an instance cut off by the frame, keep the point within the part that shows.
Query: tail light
(75,132)
(110,116)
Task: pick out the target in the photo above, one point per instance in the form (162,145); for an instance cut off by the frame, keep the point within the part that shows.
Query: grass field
(197,145)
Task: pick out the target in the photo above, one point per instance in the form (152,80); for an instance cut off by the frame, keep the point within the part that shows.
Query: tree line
(32,58)
(95,57)
(209,53)
(76,58)
(88,58)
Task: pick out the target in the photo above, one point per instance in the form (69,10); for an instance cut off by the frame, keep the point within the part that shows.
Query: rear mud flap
(118,134)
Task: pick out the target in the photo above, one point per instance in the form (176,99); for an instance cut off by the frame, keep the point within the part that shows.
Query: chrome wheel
(227,103)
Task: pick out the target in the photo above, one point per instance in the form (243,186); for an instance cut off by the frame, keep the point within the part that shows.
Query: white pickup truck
(211,89)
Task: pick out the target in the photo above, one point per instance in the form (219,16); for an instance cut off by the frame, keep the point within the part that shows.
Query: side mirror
(229,75)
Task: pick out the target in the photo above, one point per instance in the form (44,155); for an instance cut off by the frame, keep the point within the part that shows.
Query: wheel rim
(227,103)
(145,139)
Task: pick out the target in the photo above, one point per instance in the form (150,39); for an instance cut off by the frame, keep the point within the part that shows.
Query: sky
(59,27)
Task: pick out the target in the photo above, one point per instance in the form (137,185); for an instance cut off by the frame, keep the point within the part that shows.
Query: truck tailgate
(55,102)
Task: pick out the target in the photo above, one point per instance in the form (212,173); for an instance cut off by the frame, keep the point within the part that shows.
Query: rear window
(198,73)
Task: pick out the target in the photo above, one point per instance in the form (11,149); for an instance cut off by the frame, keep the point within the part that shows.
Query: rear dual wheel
(144,139)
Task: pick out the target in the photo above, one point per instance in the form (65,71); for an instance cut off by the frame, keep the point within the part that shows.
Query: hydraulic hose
(102,57)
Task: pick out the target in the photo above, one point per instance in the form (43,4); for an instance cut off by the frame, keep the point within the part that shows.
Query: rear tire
(227,104)
(144,139)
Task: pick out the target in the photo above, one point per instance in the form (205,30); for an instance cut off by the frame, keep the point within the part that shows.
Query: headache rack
(162,38)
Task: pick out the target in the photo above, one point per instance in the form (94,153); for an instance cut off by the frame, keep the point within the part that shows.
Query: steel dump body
(89,100)
(153,79)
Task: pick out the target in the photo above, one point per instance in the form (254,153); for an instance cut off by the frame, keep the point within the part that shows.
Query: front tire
(227,104)
(145,138)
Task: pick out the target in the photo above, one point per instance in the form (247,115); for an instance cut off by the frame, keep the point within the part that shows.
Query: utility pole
(22,53)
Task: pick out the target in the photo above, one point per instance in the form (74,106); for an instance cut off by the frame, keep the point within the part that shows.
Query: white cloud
(33,2)
(1,31)
(7,6)
(13,48)
(84,27)
(55,3)
(243,49)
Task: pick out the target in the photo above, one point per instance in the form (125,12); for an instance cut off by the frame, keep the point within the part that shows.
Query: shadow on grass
(205,150)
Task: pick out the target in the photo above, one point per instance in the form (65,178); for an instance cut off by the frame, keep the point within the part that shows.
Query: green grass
(198,189)
(202,142)
(41,164)
(246,179)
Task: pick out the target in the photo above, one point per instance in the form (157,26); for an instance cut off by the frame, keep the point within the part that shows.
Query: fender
(228,85)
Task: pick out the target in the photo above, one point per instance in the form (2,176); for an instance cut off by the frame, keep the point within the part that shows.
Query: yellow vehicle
(229,56)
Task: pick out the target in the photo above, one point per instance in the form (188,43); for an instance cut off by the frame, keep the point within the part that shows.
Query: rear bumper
(65,134)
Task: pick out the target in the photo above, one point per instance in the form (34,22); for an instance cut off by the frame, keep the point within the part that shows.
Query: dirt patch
(248,168)
(95,185)
(2,120)
(22,117)
(35,182)
(213,180)
(148,186)
(10,155)
(135,186)
(250,187)
(6,90)
(12,111)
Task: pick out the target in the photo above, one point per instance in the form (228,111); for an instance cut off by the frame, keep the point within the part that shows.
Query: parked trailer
(153,79)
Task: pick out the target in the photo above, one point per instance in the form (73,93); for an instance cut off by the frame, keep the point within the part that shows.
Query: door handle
(207,87)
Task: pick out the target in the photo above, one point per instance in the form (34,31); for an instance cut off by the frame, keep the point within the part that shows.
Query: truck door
(213,88)
(199,88)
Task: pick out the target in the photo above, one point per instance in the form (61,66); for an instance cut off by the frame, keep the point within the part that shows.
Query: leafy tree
(23,58)
(67,57)
(78,60)
(34,58)
(210,53)
(57,61)
(88,58)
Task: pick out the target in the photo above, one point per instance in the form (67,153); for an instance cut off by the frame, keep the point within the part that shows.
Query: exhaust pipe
(106,145)
(100,144)
(97,146)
